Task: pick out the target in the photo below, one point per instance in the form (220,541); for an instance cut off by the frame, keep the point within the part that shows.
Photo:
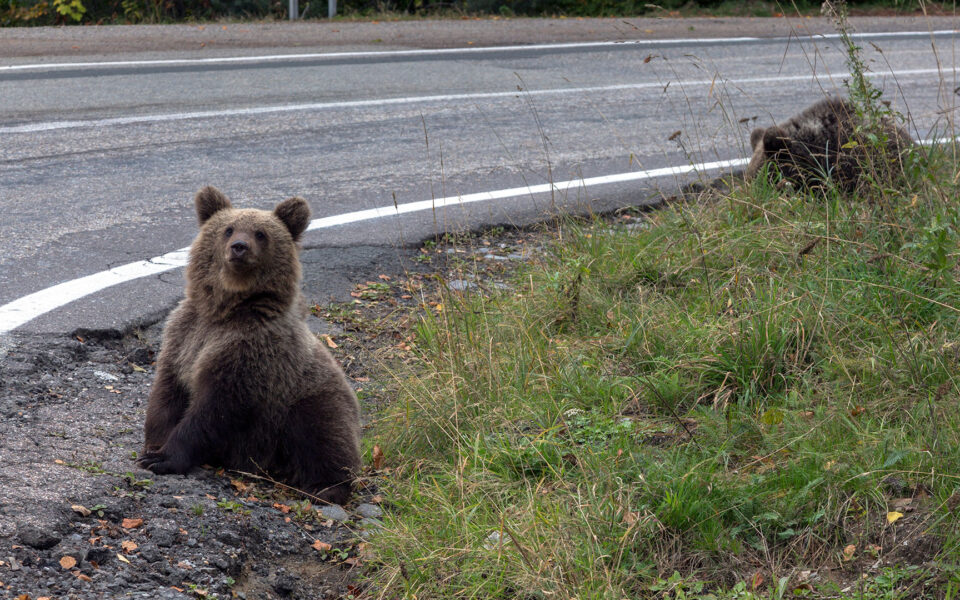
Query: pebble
(104,376)
(33,536)
(369,511)
(334,512)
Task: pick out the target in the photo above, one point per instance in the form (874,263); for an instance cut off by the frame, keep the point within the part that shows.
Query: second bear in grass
(828,142)
(241,381)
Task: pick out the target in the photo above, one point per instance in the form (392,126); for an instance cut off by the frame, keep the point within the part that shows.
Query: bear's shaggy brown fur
(241,382)
(823,142)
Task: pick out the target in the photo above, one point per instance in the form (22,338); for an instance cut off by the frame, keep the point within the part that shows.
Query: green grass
(711,404)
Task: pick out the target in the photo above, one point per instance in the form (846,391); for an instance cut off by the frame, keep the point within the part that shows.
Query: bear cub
(815,145)
(241,381)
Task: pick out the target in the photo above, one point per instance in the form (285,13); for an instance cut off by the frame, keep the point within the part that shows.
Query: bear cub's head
(246,251)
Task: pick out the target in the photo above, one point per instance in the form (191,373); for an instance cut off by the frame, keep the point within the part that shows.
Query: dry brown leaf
(23,597)
(241,486)
(81,510)
(131,523)
(281,507)
(848,552)
(128,546)
(353,561)
(68,562)
(81,576)
(321,546)
(756,581)
(377,457)
(384,277)
(329,341)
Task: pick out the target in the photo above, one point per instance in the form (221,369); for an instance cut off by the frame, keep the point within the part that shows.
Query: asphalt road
(100,160)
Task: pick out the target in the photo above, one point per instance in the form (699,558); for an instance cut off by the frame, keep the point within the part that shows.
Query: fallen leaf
(893,516)
(241,486)
(377,499)
(329,341)
(128,546)
(848,552)
(384,277)
(131,523)
(281,507)
(68,562)
(122,558)
(81,576)
(674,135)
(857,411)
(81,510)
(756,581)
(321,546)
(353,561)
(377,457)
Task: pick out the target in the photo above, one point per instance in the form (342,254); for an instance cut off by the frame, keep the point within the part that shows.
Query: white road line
(25,309)
(318,106)
(454,51)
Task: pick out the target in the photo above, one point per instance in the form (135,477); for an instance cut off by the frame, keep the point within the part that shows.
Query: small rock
(150,553)
(334,512)
(33,536)
(163,532)
(369,511)
(99,555)
(104,376)
(229,538)
(494,540)
(284,584)
(461,285)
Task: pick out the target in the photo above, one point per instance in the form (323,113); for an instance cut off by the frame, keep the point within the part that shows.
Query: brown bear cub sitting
(241,381)
(825,142)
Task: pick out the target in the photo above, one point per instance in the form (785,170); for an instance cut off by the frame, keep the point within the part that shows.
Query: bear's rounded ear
(209,201)
(755,136)
(775,139)
(295,214)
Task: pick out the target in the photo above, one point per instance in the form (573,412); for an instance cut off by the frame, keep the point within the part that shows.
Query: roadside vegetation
(750,395)
(69,12)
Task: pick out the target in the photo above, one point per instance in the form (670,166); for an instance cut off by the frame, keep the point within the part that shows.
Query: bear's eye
(261,236)
(228,232)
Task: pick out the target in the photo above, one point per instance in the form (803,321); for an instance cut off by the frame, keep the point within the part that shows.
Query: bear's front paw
(162,463)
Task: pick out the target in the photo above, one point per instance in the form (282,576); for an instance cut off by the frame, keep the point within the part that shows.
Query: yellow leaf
(849,551)
(893,515)
(123,558)
(68,562)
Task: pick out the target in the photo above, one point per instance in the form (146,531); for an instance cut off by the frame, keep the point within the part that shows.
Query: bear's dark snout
(239,249)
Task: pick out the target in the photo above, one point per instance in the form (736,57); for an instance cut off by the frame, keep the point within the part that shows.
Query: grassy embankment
(757,392)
